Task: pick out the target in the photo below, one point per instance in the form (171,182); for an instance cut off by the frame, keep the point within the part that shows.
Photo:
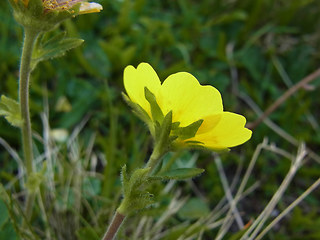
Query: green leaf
(156,112)
(55,47)
(178,174)
(195,208)
(10,109)
(87,233)
(4,213)
(188,131)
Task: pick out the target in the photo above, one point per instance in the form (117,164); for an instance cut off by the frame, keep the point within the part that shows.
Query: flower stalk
(130,202)
(114,226)
(30,37)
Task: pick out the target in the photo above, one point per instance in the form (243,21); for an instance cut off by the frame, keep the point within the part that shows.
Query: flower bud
(43,15)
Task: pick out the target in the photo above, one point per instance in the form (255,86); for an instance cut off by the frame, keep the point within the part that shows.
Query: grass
(252,51)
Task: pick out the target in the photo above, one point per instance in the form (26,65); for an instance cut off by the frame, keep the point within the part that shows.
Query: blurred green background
(252,51)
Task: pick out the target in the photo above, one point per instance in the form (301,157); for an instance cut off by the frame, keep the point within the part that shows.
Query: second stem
(30,37)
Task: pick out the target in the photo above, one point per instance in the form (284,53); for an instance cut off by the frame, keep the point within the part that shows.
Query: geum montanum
(180,113)
(38,17)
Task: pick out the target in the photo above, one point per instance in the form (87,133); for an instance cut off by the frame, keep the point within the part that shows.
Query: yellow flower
(189,102)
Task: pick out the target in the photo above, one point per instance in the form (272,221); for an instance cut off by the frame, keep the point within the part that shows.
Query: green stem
(124,208)
(30,37)
(153,160)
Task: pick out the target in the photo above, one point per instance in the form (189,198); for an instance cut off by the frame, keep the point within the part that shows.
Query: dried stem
(284,97)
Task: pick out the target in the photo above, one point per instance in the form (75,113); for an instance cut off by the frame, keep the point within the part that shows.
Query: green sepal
(175,125)
(55,47)
(138,177)
(178,174)
(135,196)
(124,180)
(13,4)
(137,109)
(35,18)
(35,7)
(156,112)
(157,130)
(188,131)
(10,109)
(163,138)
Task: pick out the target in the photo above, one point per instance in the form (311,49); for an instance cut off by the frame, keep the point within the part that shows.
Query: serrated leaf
(55,47)
(10,109)
(178,174)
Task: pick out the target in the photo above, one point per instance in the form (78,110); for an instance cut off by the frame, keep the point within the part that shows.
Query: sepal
(188,131)
(163,138)
(156,112)
(135,195)
(138,110)
(33,16)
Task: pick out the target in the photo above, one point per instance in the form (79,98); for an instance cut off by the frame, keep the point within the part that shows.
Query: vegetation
(252,51)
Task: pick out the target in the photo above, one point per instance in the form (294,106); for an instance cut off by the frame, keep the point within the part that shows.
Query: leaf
(10,109)
(87,233)
(4,213)
(55,47)
(195,208)
(178,174)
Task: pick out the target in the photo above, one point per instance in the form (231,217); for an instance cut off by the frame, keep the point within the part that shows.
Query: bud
(43,15)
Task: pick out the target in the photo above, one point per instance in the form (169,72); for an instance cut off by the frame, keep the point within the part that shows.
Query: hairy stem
(114,226)
(30,37)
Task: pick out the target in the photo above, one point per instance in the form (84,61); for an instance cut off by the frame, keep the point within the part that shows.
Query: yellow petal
(228,132)
(188,100)
(136,79)
(91,7)
(209,122)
